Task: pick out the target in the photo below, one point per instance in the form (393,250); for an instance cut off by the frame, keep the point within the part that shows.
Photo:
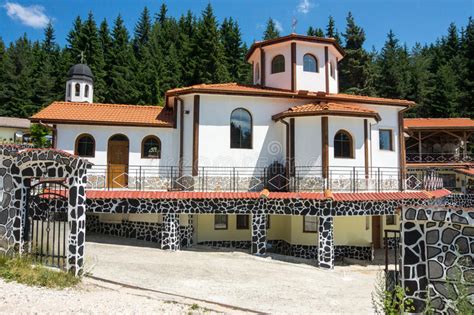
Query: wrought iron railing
(302,179)
(438,157)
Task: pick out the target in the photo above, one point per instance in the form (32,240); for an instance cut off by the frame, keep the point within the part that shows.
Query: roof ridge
(107,104)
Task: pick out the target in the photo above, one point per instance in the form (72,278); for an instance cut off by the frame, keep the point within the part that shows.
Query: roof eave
(97,123)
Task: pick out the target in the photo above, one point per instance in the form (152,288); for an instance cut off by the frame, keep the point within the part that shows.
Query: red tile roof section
(323,108)
(465,171)
(438,123)
(256,90)
(369,196)
(105,114)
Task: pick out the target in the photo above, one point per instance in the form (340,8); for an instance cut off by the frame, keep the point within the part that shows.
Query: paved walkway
(270,284)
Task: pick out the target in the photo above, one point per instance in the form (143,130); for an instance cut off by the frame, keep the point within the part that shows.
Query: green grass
(23,270)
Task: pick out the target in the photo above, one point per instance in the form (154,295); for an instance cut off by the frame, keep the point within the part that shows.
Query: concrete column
(170,239)
(259,234)
(326,242)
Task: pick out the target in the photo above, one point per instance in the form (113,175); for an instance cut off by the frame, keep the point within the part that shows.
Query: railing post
(203,174)
(378,179)
(140,187)
(353,179)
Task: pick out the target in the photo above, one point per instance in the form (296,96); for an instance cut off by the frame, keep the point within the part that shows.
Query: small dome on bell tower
(80,84)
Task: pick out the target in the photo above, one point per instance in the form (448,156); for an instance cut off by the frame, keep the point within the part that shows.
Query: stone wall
(437,255)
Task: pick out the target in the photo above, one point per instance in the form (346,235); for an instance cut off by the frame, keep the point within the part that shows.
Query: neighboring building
(290,132)
(445,145)
(13,130)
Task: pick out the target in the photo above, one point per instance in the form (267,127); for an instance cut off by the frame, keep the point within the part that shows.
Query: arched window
(332,70)
(77,89)
(278,64)
(151,147)
(85,146)
(69,90)
(86,91)
(343,146)
(310,63)
(257,72)
(240,129)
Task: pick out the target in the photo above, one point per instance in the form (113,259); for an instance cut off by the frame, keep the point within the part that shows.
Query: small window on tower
(257,72)
(86,91)
(77,89)
(69,90)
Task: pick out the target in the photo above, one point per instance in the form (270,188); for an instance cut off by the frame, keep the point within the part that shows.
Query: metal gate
(46,226)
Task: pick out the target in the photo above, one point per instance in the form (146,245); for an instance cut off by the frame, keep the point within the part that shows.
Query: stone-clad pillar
(77,221)
(170,239)
(326,242)
(259,234)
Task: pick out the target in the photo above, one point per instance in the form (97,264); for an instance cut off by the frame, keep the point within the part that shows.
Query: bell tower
(80,84)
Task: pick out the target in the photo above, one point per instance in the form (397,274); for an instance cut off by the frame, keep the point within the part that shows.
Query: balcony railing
(241,179)
(438,158)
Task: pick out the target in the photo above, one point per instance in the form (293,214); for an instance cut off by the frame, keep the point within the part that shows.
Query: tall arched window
(86,91)
(85,146)
(332,70)
(310,63)
(257,72)
(278,64)
(151,147)
(240,129)
(69,90)
(343,145)
(77,89)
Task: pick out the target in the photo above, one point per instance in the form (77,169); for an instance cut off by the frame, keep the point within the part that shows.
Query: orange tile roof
(323,108)
(368,196)
(104,114)
(256,90)
(438,123)
(465,171)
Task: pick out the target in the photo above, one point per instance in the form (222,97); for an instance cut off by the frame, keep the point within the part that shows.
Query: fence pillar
(326,242)
(170,239)
(76,222)
(259,234)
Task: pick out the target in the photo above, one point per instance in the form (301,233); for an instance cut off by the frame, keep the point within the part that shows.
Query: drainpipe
(287,151)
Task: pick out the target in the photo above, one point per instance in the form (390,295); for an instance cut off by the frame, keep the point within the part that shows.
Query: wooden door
(117,157)
(376,231)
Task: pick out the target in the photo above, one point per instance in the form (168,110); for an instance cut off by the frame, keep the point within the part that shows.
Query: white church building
(292,115)
(330,165)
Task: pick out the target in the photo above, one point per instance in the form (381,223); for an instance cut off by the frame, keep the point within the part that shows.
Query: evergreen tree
(122,76)
(161,16)
(271,30)
(331,30)
(318,32)
(393,68)
(354,69)
(142,32)
(466,100)
(234,54)
(186,47)
(75,40)
(209,50)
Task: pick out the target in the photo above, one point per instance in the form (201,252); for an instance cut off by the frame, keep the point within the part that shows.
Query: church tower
(80,84)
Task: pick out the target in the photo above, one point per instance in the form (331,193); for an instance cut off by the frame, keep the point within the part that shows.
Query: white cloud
(33,15)
(304,6)
(278,25)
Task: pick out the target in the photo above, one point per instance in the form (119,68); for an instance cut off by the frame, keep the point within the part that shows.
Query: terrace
(248,179)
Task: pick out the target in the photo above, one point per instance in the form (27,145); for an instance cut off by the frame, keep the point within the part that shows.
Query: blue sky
(412,20)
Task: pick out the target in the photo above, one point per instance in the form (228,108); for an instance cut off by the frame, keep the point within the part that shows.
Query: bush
(390,301)
(23,270)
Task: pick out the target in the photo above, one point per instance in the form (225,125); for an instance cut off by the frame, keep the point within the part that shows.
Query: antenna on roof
(293,25)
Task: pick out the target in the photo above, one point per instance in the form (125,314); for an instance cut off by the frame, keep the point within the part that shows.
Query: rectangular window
(390,220)
(385,139)
(220,222)
(310,224)
(449,180)
(242,222)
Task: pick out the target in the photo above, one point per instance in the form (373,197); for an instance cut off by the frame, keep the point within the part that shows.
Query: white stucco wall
(81,98)
(268,143)
(310,81)
(308,141)
(67,135)
(280,80)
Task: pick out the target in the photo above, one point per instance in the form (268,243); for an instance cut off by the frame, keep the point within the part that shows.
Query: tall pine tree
(271,30)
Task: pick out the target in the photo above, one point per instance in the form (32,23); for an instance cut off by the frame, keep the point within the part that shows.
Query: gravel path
(91,297)
(275,284)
